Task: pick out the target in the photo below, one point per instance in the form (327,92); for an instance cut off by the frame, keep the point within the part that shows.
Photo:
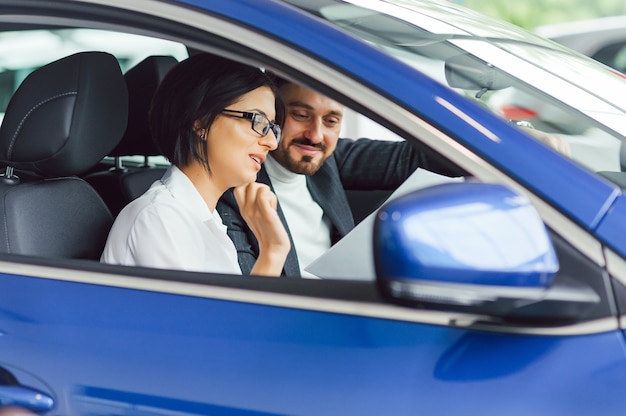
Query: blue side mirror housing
(459,245)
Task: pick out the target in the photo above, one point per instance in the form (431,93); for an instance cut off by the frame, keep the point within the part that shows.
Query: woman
(214,120)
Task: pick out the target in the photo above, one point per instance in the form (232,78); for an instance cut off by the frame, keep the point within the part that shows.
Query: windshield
(517,75)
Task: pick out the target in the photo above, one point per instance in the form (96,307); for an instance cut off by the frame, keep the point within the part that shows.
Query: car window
(22,51)
(130,49)
(500,73)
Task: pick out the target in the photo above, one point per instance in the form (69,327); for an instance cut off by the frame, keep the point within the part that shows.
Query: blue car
(500,292)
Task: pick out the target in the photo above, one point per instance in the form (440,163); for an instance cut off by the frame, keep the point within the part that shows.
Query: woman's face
(235,150)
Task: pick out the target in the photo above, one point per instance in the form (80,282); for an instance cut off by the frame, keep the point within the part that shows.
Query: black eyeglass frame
(246,115)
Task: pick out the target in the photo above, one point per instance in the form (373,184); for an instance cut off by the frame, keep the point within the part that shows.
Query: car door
(113,344)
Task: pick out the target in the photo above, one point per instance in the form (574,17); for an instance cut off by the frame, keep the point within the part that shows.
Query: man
(310,171)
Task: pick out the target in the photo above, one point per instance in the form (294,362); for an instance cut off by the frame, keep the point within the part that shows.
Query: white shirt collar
(181,188)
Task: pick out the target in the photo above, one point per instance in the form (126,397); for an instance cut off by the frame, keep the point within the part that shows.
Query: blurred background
(594,28)
(532,13)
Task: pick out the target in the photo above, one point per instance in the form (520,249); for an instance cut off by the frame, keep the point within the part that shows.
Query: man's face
(310,132)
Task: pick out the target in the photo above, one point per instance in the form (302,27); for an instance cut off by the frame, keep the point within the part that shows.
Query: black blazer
(355,165)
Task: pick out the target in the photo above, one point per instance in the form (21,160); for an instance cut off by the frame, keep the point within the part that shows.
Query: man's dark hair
(278,80)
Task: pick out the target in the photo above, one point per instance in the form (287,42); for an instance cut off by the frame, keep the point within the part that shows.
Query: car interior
(120,169)
(48,211)
(121,184)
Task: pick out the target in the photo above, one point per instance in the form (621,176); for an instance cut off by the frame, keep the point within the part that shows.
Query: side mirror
(470,246)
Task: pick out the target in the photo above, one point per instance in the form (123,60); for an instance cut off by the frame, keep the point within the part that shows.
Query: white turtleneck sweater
(309,227)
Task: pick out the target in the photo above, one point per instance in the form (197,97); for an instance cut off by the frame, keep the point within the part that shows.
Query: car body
(603,39)
(475,335)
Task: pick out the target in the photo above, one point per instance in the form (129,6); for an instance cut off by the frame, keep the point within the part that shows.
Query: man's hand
(556,142)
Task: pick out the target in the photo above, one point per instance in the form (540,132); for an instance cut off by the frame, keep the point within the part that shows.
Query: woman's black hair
(199,88)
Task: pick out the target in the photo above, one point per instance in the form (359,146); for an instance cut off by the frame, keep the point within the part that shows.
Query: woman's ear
(199,130)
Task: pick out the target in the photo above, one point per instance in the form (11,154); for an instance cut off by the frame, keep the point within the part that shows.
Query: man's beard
(305,165)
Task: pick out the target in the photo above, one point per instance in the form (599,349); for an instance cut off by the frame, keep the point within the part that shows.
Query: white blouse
(171,227)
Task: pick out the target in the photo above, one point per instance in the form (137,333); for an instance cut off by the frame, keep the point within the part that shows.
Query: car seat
(62,120)
(121,184)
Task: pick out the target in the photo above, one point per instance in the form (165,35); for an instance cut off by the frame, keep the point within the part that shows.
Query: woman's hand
(257,204)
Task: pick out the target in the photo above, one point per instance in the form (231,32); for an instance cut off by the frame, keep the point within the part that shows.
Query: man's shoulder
(345,144)
(228,209)
(227,204)
(348,149)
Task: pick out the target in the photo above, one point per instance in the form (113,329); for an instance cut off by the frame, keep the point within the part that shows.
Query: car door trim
(367,309)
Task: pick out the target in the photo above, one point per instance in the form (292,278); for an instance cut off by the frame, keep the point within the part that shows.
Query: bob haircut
(198,89)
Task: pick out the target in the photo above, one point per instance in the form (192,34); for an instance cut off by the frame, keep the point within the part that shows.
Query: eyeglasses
(260,123)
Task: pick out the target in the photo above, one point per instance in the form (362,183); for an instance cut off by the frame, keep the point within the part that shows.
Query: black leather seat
(63,119)
(121,184)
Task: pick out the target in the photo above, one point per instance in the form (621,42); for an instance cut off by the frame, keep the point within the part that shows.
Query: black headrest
(65,116)
(142,81)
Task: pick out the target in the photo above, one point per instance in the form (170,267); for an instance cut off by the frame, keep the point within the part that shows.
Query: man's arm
(367,164)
